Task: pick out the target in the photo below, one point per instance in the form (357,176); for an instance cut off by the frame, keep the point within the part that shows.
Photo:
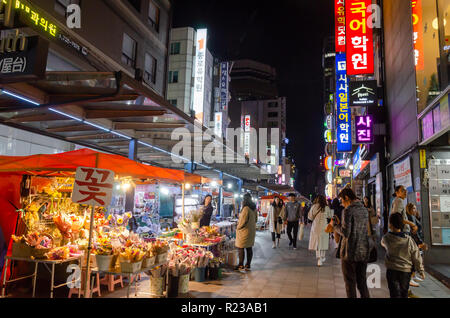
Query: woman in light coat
(319,239)
(246,232)
(275,221)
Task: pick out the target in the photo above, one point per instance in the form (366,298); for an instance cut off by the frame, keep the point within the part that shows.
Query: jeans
(398,283)
(249,256)
(355,276)
(273,236)
(292,226)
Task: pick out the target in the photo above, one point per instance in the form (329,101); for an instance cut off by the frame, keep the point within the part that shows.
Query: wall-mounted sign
(375,165)
(363,93)
(328,162)
(22,58)
(345,173)
(344,115)
(329,190)
(329,176)
(359,38)
(417,20)
(247,122)
(330,122)
(218,124)
(364,129)
(423,158)
(223,86)
(339,163)
(358,163)
(339,15)
(200,71)
(328,136)
(402,174)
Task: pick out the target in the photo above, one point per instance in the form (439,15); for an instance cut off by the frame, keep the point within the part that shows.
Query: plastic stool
(96,289)
(110,281)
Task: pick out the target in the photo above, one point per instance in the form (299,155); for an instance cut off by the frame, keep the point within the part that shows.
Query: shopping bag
(301,232)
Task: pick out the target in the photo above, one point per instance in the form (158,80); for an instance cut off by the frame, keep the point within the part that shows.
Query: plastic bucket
(183,286)
(126,267)
(148,262)
(174,282)
(161,258)
(200,274)
(105,262)
(157,286)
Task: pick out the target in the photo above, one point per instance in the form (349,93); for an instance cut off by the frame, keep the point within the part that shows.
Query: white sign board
(200,71)
(93,186)
(402,174)
(218,124)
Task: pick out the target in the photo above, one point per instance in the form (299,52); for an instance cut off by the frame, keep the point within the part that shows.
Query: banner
(344,114)
(339,14)
(402,174)
(364,129)
(363,93)
(199,72)
(223,86)
(359,38)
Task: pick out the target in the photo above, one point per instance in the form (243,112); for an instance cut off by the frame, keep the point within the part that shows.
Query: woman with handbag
(275,221)
(319,239)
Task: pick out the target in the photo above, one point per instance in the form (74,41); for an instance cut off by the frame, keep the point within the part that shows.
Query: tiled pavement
(284,273)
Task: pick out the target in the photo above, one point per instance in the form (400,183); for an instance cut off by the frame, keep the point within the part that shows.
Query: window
(61,5)
(272,114)
(150,69)
(273,105)
(175,48)
(136,4)
(426,48)
(153,15)
(173,102)
(272,124)
(173,77)
(129,50)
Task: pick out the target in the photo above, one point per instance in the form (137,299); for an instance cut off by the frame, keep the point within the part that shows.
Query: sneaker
(412,283)
(247,268)
(295,248)
(273,245)
(239,268)
(319,262)
(323,259)
(418,279)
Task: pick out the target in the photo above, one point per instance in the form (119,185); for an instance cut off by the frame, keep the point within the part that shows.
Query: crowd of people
(353,225)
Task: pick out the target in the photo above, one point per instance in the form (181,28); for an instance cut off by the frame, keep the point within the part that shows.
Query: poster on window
(402,174)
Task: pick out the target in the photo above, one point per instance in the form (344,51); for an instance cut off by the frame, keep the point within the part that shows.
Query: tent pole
(91,229)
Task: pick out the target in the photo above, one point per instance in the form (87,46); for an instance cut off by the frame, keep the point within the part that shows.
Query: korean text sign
(200,71)
(364,129)
(223,86)
(339,15)
(418,33)
(359,37)
(93,186)
(344,114)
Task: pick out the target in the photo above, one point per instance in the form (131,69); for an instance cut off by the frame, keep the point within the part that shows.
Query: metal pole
(91,229)
(182,200)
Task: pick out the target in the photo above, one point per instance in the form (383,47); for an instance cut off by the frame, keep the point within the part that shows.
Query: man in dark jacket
(354,245)
(291,214)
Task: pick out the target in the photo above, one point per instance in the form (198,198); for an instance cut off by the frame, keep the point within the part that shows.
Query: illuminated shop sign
(223,86)
(417,20)
(364,129)
(218,124)
(200,71)
(344,115)
(339,14)
(359,38)
(363,93)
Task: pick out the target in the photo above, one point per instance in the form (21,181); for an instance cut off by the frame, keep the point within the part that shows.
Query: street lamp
(230,186)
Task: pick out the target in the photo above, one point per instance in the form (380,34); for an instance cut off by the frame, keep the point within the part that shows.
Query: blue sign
(223,86)
(357,162)
(344,114)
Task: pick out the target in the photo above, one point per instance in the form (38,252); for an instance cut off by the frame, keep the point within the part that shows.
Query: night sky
(286,34)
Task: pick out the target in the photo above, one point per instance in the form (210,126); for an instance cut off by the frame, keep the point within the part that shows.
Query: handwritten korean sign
(93,186)
(364,129)
(359,37)
(344,114)
(339,14)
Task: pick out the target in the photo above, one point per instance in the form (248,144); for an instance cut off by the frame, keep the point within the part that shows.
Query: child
(402,254)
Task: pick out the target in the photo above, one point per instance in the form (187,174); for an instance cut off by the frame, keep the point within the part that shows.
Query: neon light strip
(96,126)
(20,97)
(120,135)
(67,115)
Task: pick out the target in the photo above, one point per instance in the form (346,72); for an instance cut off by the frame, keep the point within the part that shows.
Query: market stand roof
(66,163)
(104,111)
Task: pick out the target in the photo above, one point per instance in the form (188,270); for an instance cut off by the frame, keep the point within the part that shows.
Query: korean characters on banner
(359,38)
(364,129)
(417,20)
(93,186)
(339,14)
(344,114)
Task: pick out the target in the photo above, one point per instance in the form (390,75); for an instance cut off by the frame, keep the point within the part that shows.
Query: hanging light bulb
(164,191)
(187,186)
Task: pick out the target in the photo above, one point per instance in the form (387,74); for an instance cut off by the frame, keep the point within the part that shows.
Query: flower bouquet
(131,259)
(58,253)
(104,254)
(195,217)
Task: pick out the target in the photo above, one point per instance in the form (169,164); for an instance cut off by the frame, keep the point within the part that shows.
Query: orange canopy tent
(66,163)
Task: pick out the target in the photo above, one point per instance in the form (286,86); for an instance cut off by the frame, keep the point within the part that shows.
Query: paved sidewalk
(288,273)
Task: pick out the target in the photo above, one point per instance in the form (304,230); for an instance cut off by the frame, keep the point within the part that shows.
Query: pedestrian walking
(402,257)
(275,221)
(291,214)
(399,207)
(319,239)
(207,211)
(354,243)
(246,232)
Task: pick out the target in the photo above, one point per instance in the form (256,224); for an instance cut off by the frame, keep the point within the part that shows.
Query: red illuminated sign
(418,33)
(339,15)
(359,38)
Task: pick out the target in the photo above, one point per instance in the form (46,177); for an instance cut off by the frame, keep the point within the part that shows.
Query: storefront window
(426,47)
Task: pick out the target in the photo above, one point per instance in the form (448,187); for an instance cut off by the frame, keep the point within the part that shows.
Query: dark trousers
(249,256)
(355,276)
(398,283)
(292,226)
(273,236)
